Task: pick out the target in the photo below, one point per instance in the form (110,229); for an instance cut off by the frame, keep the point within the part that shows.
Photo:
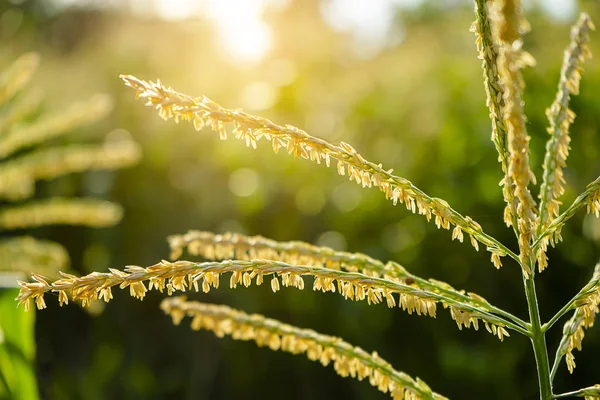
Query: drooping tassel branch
(241,247)
(182,275)
(203,112)
(347,360)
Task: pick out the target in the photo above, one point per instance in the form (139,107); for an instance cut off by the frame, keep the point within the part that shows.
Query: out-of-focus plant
(28,156)
(499,27)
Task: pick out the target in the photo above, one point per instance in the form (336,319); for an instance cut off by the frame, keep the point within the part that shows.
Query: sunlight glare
(245,35)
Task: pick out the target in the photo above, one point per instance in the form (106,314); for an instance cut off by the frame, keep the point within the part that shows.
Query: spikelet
(587,303)
(48,127)
(560,118)
(203,112)
(63,211)
(247,248)
(347,360)
(488,54)
(183,275)
(507,23)
(18,176)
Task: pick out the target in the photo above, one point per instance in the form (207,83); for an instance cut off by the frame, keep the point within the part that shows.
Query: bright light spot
(245,35)
(244,182)
(369,22)
(258,96)
(333,239)
(560,10)
(176,9)
(310,200)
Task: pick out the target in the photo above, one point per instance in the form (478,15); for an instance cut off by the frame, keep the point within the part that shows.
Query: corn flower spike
(17,76)
(203,112)
(488,54)
(181,275)
(247,248)
(507,24)
(63,211)
(347,360)
(560,118)
(25,254)
(586,305)
(18,175)
(48,127)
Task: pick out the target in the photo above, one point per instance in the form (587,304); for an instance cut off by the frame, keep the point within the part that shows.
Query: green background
(417,107)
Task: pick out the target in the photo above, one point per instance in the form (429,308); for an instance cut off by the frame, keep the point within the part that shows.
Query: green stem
(538,340)
(557,359)
(566,308)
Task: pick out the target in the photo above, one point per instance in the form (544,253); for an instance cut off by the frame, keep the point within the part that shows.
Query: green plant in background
(21,128)
(499,27)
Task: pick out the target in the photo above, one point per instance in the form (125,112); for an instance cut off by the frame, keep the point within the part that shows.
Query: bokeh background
(400,81)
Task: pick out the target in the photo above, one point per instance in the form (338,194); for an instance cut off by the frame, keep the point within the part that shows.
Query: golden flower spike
(347,360)
(241,247)
(203,112)
(184,275)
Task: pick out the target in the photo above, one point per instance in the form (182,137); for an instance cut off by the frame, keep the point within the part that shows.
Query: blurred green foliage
(417,107)
(17,350)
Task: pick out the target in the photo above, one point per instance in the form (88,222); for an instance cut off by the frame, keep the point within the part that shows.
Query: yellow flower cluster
(236,246)
(347,360)
(507,23)
(583,318)
(204,112)
(183,275)
(560,117)
(495,102)
(89,212)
